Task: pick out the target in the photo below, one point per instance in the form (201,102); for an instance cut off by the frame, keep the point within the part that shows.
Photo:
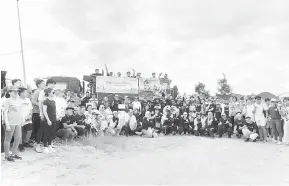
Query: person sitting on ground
(211,125)
(157,119)
(132,123)
(103,118)
(147,126)
(239,123)
(187,128)
(198,127)
(27,119)
(79,118)
(250,130)
(114,123)
(67,124)
(178,128)
(225,126)
(96,124)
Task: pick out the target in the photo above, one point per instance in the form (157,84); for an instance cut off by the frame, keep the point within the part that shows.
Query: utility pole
(21,44)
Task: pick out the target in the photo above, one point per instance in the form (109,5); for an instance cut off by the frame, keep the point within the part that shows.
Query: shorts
(27,127)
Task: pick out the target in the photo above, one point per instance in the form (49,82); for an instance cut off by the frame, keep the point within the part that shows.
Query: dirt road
(163,160)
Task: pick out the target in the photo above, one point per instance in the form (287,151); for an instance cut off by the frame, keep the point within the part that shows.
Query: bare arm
(45,113)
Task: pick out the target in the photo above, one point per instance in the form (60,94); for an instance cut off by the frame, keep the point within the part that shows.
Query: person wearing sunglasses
(49,122)
(13,119)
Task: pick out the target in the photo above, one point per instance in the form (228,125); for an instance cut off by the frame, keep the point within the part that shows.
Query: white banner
(110,84)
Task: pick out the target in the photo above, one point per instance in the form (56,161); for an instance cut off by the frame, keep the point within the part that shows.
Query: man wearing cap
(260,118)
(250,130)
(275,122)
(67,124)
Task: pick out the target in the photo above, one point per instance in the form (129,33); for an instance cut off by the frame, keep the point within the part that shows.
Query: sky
(192,41)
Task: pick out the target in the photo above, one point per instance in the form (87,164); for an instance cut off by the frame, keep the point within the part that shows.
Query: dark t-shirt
(251,126)
(66,119)
(51,109)
(239,123)
(85,100)
(79,119)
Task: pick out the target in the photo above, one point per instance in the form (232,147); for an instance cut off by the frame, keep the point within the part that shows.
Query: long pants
(286,132)
(262,132)
(147,133)
(2,137)
(47,132)
(222,129)
(277,130)
(248,134)
(68,133)
(80,131)
(16,131)
(36,120)
(26,133)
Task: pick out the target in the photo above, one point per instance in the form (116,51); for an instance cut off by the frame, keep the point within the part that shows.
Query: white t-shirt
(27,110)
(61,105)
(132,122)
(123,119)
(249,111)
(136,105)
(259,111)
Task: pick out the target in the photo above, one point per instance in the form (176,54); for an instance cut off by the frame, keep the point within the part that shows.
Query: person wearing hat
(250,130)
(13,119)
(275,122)
(67,124)
(260,118)
(225,126)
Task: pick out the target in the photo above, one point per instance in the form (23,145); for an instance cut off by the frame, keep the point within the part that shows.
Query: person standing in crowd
(266,106)
(50,84)
(67,129)
(250,130)
(93,101)
(27,119)
(136,105)
(85,99)
(48,124)
(233,108)
(275,121)
(36,112)
(119,74)
(13,117)
(260,118)
(249,109)
(285,115)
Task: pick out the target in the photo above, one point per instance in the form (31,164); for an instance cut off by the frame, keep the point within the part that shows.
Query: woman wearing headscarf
(13,117)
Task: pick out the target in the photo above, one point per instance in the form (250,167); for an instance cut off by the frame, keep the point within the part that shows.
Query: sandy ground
(163,160)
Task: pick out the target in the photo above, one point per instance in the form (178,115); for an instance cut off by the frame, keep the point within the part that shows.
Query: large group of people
(35,120)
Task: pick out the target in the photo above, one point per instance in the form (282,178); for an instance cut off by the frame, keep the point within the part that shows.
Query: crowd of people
(35,120)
